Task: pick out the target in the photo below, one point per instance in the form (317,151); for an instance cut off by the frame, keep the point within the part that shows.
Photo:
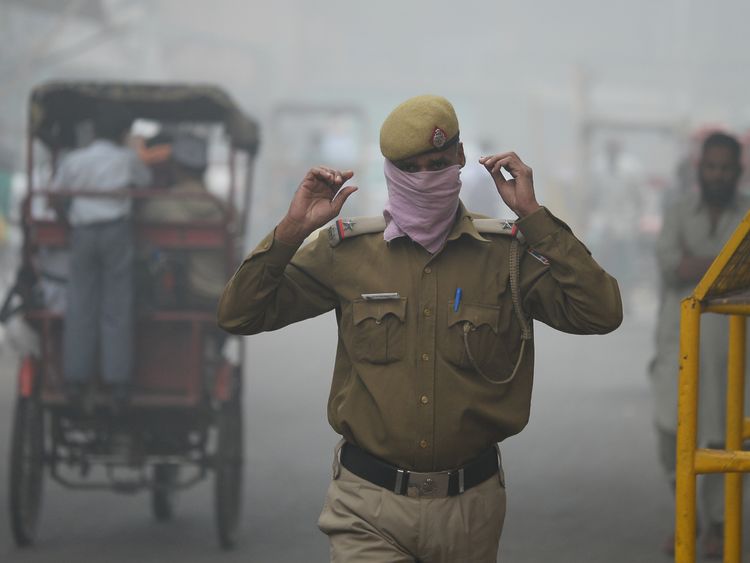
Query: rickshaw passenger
(100,288)
(156,152)
(205,268)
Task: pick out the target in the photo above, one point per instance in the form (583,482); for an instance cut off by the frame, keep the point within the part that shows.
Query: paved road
(583,481)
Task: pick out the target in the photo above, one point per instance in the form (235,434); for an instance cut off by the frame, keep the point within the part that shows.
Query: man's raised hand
(318,199)
(518,192)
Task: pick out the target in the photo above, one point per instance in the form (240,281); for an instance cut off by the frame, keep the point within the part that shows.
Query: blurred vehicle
(184,420)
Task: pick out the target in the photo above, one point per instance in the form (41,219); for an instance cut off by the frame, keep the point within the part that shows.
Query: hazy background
(605,100)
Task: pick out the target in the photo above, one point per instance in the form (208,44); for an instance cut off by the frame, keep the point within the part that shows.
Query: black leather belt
(413,483)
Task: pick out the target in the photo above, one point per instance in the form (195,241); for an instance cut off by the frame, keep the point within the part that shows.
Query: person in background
(156,152)
(99,315)
(696,227)
(435,352)
(204,270)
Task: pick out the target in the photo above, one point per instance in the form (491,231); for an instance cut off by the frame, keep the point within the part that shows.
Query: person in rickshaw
(204,269)
(99,313)
(156,152)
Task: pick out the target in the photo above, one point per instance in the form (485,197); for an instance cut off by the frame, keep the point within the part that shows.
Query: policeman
(435,355)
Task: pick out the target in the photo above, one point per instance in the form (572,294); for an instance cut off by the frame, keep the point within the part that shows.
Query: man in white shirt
(99,318)
(696,227)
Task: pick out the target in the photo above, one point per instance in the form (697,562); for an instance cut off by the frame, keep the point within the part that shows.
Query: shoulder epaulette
(354,226)
(499,227)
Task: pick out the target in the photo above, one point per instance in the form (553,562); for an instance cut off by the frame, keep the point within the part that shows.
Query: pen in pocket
(457,299)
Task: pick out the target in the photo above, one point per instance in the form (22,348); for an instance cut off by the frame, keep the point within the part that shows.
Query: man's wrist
(290,232)
(527,210)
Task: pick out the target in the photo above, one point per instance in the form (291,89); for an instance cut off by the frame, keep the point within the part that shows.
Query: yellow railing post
(723,289)
(735,423)
(687,426)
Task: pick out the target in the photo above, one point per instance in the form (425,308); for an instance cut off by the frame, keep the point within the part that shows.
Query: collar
(464,225)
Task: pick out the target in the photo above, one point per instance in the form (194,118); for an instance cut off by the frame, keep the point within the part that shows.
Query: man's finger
(342,196)
(325,172)
(332,176)
(326,179)
(493,165)
(507,154)
(516,166)
(321,174)
(496,168)
(513,165)
(514,162)
(491,162)
(341,177)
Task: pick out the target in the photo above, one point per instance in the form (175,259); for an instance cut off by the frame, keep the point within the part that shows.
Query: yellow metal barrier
(725,289)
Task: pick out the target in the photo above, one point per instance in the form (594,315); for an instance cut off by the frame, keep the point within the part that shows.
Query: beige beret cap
(418,125)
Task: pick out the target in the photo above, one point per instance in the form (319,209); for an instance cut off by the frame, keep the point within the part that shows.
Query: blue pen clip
(457,300)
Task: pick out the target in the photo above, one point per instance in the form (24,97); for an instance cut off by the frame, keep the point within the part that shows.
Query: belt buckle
(428,484)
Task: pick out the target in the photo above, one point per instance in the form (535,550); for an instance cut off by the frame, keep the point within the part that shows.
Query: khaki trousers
(368,524)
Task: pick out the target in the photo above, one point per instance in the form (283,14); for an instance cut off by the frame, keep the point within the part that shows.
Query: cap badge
(438,138)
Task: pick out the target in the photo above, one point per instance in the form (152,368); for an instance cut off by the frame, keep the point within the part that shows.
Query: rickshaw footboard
(131,485)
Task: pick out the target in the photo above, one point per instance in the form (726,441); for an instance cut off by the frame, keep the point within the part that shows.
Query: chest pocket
(379,330)
(488,332)
(483,333)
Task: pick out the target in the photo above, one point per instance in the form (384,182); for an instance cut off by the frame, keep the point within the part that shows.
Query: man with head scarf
(435,354)
(204,269)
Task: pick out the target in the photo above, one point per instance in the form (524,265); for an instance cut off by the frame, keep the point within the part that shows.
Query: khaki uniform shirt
(687,229)
(206,270)
(403,387)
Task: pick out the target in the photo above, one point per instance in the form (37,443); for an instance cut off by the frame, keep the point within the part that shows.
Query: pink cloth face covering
(421,205)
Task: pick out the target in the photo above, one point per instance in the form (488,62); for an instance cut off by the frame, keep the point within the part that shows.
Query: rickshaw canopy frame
(55,108)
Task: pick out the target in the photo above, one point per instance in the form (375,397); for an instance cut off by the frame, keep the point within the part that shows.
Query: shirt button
(428,270)
(424,399)
(426,357)
(427,312)
(423,444)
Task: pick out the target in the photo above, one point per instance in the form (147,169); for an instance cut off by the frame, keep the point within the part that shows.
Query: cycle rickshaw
(184,420)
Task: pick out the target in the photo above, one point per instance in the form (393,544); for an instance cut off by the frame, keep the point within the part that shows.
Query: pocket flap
(377,309)
(475,314)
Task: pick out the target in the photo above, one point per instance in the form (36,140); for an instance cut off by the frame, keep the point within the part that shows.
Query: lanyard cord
(526,333)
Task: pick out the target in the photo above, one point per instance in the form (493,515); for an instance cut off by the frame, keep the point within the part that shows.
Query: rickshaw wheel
(163,494)
(26,470)
(228,468)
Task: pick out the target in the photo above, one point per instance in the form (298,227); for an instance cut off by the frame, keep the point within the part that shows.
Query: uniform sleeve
(669,247)
(277,285)
(561,284)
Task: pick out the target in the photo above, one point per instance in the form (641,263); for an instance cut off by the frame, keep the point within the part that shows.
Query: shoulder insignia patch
(499,227)
(347,228)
